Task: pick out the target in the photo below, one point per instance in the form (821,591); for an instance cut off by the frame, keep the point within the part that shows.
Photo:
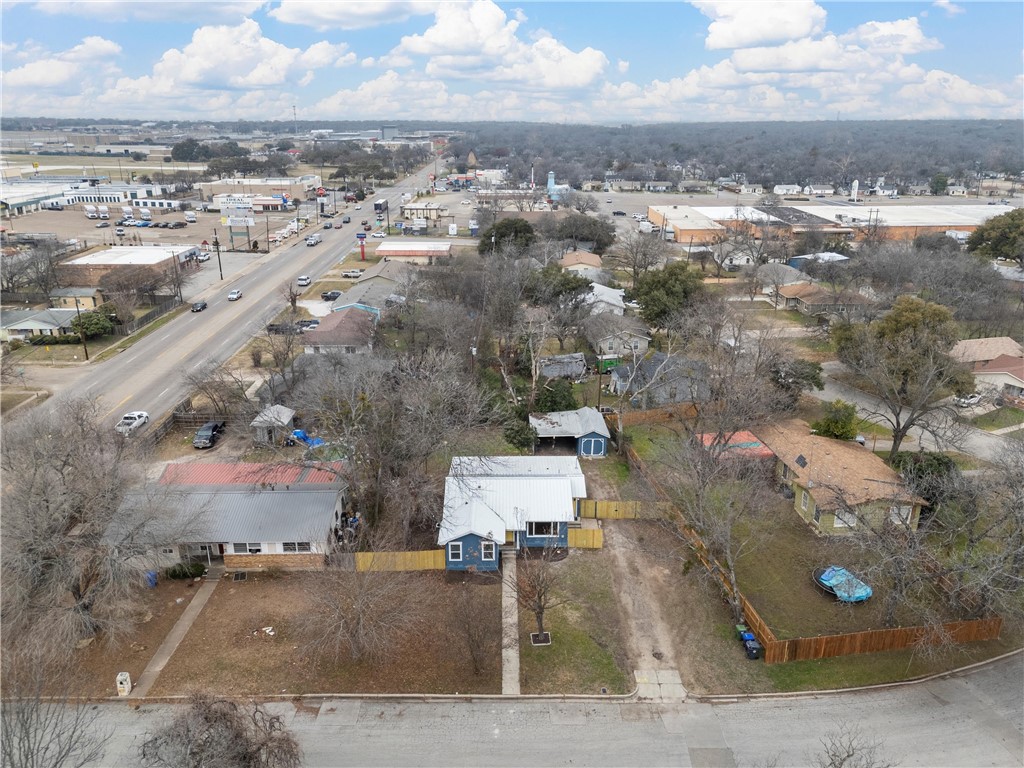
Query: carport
(584,426)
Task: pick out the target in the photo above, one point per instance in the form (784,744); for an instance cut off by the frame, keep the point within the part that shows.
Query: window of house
(167,551)
(900,514)
(636,345)
(240,549)
(817,514)
(296,546)
(804,499)
(540,529)
(455,551)
(845,519)
(487,550)
(786,472)
(349,350)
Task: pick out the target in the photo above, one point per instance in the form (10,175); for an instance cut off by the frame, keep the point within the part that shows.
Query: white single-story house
(22,323)
(522,501)
(605,300)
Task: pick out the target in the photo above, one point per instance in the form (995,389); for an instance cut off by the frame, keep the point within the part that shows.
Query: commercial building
(95,267)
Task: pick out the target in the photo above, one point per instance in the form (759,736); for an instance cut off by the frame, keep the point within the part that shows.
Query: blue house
(584,425)
(517,501)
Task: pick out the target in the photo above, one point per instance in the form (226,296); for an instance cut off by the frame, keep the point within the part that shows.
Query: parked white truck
(145,215)
(127,212)
(90,212)
(104,212)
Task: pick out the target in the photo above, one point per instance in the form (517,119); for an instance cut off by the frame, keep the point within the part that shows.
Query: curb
(739,697)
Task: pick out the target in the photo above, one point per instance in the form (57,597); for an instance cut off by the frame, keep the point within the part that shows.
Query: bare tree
(902,360)
(479,624)
(578,201)
(848,747)
(40,727)
(225,389)
(76,539)
(638,253)
(218,733)
(364,615)
(538,587)
(290,293)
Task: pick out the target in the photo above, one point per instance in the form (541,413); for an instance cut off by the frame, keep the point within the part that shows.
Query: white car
(379,234)
(465,202)
(131,421)
(303,281)
(359,207)
(235,295)
(203,257)
(608,200)
(965,401)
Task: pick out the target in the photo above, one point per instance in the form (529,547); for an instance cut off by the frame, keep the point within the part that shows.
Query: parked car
(359,207)
(177,225)
(282,329)
(608,200)
(119,231)
(330,295)
(131,421)
(208,434)
(618,213)
(305,325)
(203,257)
(346,220)
(465,202)
(303,280)
(235,295)
(198,306)
(352,274)
(327,215)
(380,235)
(965,401)
(103,225)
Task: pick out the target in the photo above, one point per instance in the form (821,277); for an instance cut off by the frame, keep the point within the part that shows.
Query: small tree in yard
(481,632)
(536,588)
(217,733)
(92,324)
(363,614)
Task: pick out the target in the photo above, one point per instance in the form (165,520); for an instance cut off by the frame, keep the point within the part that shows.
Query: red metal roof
(244,474)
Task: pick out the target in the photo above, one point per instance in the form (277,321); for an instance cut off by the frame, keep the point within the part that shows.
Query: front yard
(227,649)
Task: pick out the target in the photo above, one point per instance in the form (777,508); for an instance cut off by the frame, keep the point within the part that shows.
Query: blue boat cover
(312,442)
(847,587)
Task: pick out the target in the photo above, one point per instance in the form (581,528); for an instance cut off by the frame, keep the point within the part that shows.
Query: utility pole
(216,246)
(81,330)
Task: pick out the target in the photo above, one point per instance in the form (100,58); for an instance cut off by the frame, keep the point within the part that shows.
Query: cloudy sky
(581,62)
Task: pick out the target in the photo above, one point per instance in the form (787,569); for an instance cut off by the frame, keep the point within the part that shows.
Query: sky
(563,62)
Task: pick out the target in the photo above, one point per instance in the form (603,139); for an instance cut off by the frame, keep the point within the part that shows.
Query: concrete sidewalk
(509,625)
(177,634)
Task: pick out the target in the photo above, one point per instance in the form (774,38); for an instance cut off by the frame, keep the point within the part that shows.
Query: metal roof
(276,415)
(583,421)
(523,467)
(197,473)
(492,506)
(235,514)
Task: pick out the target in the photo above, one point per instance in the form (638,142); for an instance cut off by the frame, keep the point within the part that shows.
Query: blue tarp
(301,436)
(844,584)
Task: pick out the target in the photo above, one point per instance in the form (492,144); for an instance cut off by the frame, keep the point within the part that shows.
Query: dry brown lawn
(99,663)
(228,651)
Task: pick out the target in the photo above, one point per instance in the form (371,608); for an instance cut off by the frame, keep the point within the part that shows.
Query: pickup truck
(131,421)
(352,274)
(330,295)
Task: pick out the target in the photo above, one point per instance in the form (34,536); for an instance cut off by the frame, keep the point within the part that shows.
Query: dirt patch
(638,582)
(227,649)
(99,663)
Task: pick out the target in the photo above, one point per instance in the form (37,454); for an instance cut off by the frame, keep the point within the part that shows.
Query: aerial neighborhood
(313,409)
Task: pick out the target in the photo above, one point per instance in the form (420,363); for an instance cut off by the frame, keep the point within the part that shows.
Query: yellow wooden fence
(622,510)
(423,560)
(586,538)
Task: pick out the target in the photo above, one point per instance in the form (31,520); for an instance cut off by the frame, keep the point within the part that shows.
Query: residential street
(978,442)
(970,719)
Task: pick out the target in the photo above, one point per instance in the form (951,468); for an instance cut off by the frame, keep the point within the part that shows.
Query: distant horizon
(581,63)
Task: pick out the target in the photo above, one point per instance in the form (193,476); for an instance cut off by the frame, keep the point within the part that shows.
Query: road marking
(164,392)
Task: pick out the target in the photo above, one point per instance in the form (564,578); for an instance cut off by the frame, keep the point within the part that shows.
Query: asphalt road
(970,719)
(150,375)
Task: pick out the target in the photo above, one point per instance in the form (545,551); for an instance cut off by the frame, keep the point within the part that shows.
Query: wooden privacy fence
(586,538)
(622,510)
(423,560)
(828,646)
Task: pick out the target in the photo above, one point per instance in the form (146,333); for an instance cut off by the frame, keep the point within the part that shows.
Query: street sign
(360,235)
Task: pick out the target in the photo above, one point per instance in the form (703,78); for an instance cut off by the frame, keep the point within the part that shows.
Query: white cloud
(943,94)
(150,10)
(622,66)
(479,41)
(61,72)
(826,54)
(350,14)
(235,58)
(903,36)
(746,23)
(951,9)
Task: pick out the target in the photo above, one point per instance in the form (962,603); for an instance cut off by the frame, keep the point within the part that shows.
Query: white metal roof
(276,415)
(582,421)
(522,466)
(910,215)
(492,506)
(131,254)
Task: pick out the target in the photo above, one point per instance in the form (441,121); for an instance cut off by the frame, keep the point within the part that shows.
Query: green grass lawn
(587,651)
(63,353)
(1000,418)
